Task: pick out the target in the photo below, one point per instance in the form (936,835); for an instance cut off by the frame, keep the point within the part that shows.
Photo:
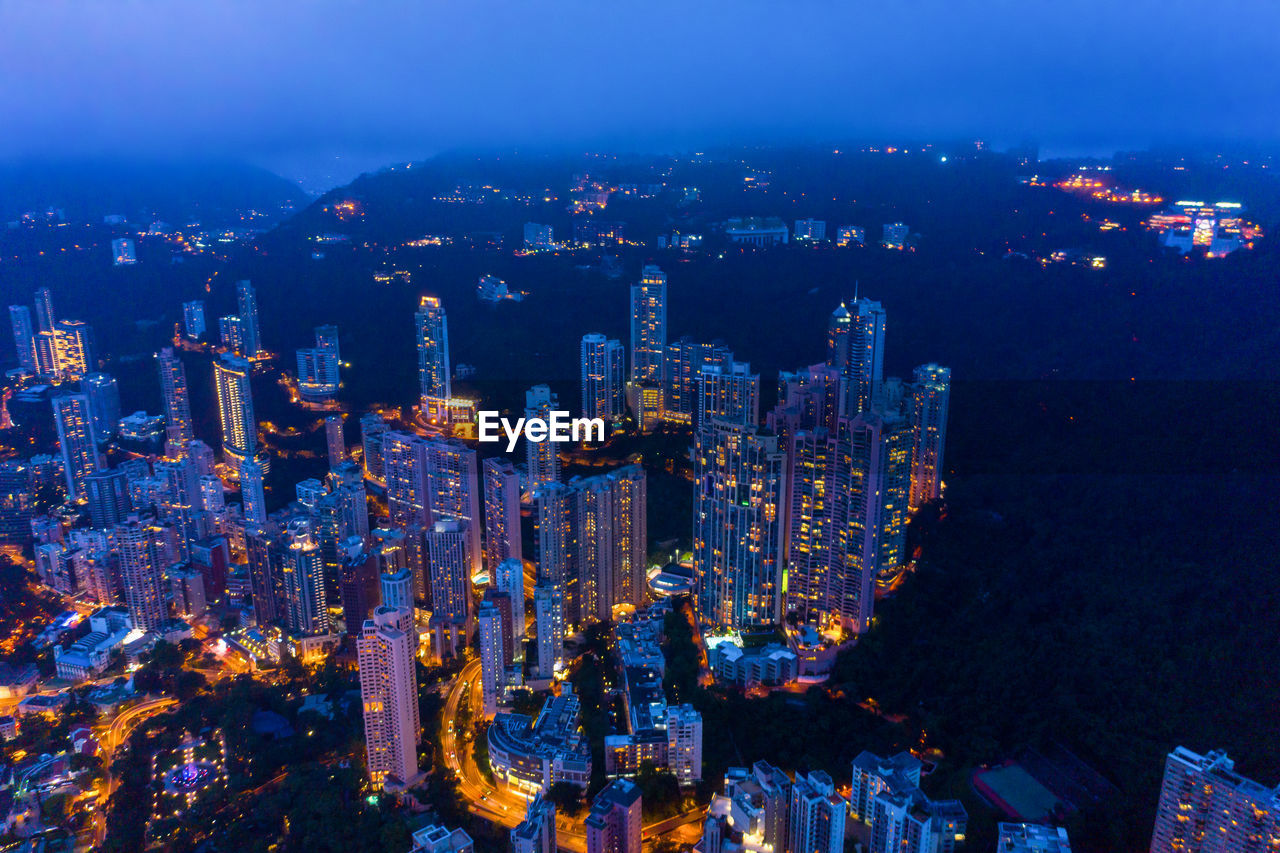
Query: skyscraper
(235,410)
(24,338)
(507,577)
(501,513)
(591,542)
(541,458)
(930,398)
(448,549)
(372,429)
(317,373)
(358,584)
(104,403)
(193,319)
(453,487)
(681,371)
(1206,806)
(729,394)
(603,390)
(247,301)
(548,610)
(306,604)
(817,815)
(492,656)
(74,419)
(739,489)
(253,496)
(397,589)
(863,357)
(613,825)
(389,696)
(73,349)
(107,494)
(334,441)
(648,325)
(433,355)
(142,573)
(44,310)
(684,743)
(839,327)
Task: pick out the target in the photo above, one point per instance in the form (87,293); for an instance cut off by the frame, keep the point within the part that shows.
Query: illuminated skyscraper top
(858,352)
(235,409)
(603,394)
(648,325)
(433,352)
(930,399)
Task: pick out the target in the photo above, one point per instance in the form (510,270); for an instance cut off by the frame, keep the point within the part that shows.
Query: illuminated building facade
(73,417)
(816,815)
(449,556)
(895,236)
(177,399)
(648,325)
(433,355)
(492,656)
(930,399)
(592,541)
(1218,228)
(541,458)
(729,395)
(682,369)
(73,349)
(537,832)
(389,696)
(739,489)
(306,606)
(1206,806)
(235,410)
(603,388)
(142,573)
(253,495)
(193,319)
(548,611)
(317,374)
(501,513)
(613,824)
(855,345)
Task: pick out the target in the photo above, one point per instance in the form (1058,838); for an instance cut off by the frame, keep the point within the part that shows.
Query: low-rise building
(1032,838)
(530,756)
(770,664)
(438,839)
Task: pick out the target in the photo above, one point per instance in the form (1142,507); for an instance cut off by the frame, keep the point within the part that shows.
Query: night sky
(290,84)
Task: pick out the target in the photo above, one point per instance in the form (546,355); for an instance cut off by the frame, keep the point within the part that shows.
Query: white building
(492,656)
(389,694)
(684,743)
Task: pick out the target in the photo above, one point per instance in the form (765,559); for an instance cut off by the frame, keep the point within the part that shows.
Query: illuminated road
(111,740)
(497,804)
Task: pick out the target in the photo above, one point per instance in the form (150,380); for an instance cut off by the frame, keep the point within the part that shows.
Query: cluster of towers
(814,497)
